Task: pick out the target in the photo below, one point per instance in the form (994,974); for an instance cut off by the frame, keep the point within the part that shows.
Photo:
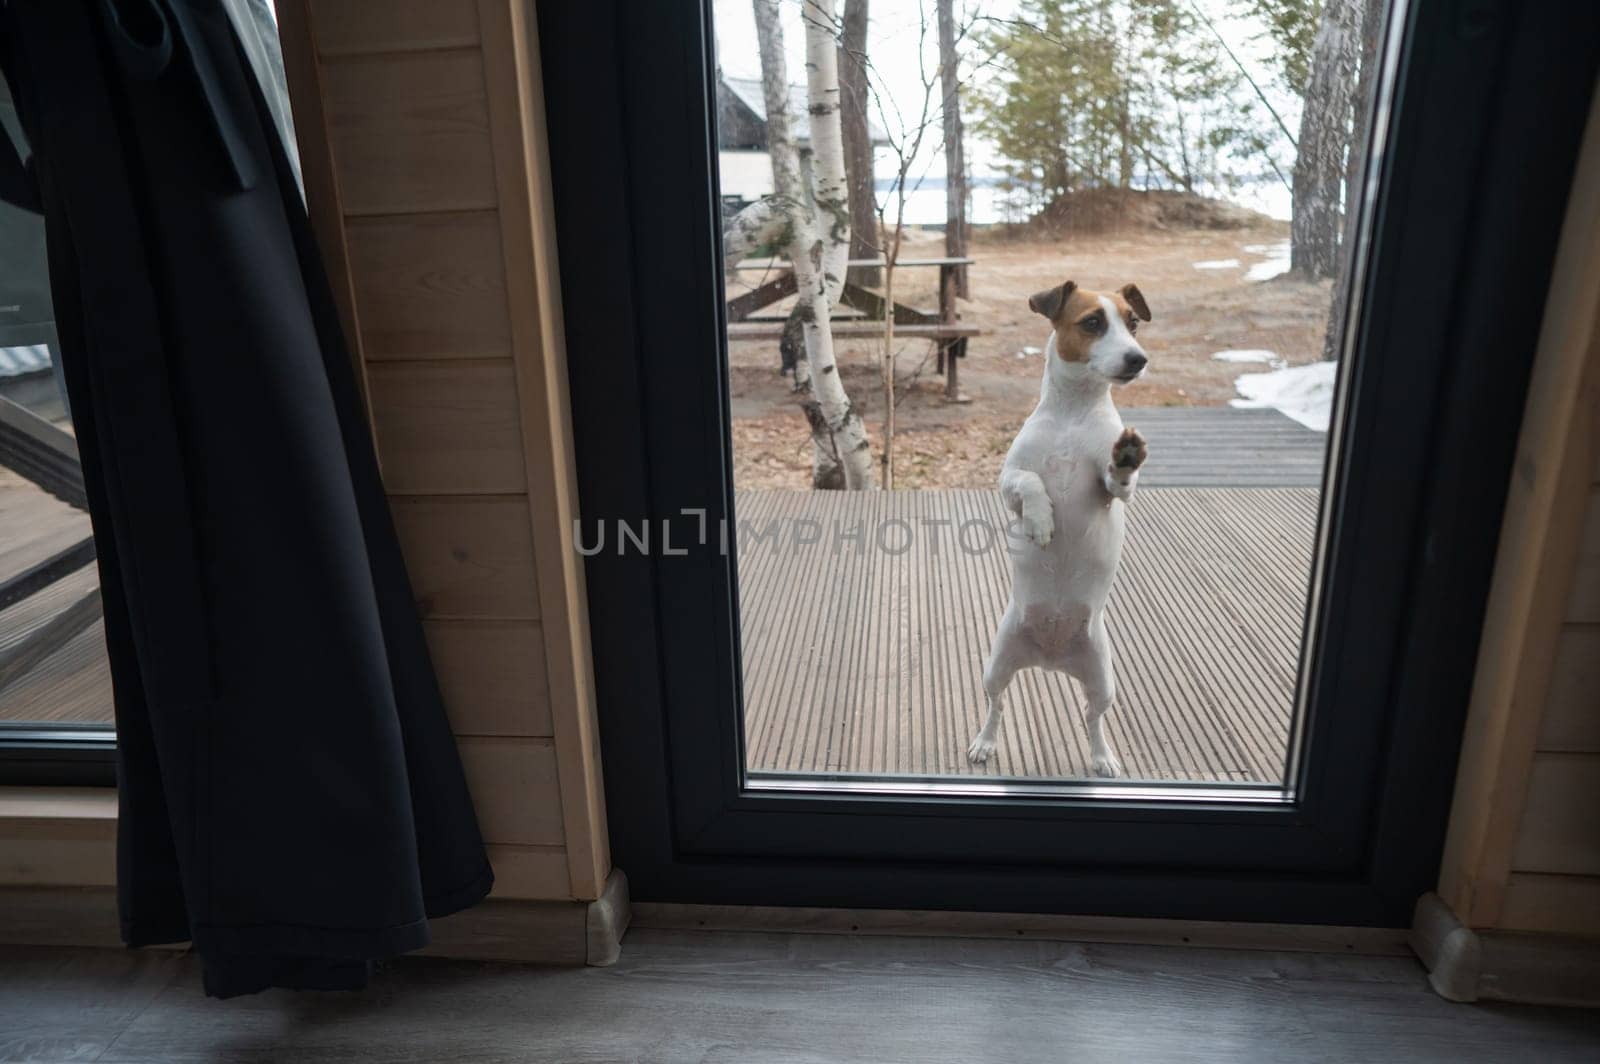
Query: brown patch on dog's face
(1077,315)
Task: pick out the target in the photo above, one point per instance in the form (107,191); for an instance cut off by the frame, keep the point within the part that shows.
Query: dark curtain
(291,797)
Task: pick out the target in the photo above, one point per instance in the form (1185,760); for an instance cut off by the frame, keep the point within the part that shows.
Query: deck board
(73,685)
(869,660)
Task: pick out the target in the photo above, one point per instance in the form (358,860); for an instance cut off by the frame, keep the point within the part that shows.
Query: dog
(1066,482)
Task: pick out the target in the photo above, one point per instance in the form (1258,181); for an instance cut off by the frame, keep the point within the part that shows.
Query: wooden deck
(73,685)
(863,661)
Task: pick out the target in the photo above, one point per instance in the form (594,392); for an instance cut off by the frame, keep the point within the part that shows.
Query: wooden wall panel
(532,872)
(447,428)
(1558,832)
(469,557)
(515,790)
(1584,605)
(1572,711)
(1552,904)
(410,132)
(361,27)
(492,675)
(433,188)
(430,286)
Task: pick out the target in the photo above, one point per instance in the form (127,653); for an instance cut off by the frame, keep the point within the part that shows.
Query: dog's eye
(1093,325)
(1133,325)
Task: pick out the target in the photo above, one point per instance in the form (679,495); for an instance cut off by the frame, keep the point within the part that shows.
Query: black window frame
(1457,218)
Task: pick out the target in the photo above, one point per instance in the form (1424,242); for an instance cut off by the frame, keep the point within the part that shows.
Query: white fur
(1067,496)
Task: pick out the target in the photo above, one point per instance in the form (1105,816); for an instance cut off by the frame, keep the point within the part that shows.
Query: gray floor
(798,999)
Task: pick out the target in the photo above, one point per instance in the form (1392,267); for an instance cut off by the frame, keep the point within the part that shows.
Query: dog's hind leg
(1004,661)
(1088,658)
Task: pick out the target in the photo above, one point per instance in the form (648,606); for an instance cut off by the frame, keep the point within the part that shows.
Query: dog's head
(1095,329)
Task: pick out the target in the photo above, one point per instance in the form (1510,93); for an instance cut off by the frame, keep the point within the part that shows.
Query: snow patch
(1275,261)
(1304,393)
(1218,264)
(1249,355)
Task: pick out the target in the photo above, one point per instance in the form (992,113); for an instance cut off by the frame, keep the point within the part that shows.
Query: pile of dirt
(1109,210)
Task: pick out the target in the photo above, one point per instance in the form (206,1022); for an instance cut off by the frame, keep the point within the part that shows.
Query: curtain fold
(291,796)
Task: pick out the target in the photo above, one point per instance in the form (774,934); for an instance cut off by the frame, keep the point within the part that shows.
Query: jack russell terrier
(1066,480)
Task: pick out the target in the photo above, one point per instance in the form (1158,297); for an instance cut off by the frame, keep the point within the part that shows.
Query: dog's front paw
(1038,521)
(982,748)
(1105,765)
(1129,452)
(1039,529)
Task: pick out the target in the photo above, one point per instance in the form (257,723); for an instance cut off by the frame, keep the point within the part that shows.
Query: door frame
(1460,232)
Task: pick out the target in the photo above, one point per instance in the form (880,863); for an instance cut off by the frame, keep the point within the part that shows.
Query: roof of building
(749,93)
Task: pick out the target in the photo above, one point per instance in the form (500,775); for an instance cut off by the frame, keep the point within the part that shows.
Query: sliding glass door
(1047,455)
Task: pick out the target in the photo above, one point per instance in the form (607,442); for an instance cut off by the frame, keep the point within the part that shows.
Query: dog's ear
(1051,300)
(1135,299)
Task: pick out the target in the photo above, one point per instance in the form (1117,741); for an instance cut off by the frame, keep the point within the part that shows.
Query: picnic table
(861,311)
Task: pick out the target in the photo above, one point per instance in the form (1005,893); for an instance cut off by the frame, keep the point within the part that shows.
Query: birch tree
(815,229)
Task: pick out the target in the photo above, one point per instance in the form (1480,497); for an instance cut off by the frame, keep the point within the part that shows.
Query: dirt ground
(941,444)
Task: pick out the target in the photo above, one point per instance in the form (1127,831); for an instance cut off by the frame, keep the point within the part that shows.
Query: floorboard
(788,999)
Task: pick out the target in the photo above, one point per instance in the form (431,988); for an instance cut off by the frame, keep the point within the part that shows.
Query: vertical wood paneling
(361,27)
(469,557)
(410,132)
(447,428)
(1558,819)
(1584,605)
(1552,904)
(466,391)
(536,873)
(430,286)
(492,676)
(515,790)
(1572,711)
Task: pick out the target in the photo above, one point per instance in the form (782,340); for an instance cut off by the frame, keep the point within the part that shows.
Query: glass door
(1032,454)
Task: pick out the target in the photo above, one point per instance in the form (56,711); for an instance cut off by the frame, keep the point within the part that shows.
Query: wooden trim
(1562,904)
(358,27)
(606,921)
(324,206)
(1215,934)
(568,933)
(1467,965)
(58,835)
(516,119)
(1538,550)
(54,805)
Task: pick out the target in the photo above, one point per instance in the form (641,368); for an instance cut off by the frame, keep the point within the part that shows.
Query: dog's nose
(1135,361)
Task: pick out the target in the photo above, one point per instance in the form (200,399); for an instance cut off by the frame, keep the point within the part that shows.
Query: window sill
(58,836)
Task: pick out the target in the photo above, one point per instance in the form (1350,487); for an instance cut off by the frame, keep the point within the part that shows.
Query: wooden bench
(861,312)
(773,330)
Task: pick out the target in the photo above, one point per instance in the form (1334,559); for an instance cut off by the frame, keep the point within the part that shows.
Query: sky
(892,38)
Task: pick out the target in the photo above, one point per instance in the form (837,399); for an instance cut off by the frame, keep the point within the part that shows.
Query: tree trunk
(1354,183)
(830,187)
(955,162)
(819,233)
(858,152)
(1319,166)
